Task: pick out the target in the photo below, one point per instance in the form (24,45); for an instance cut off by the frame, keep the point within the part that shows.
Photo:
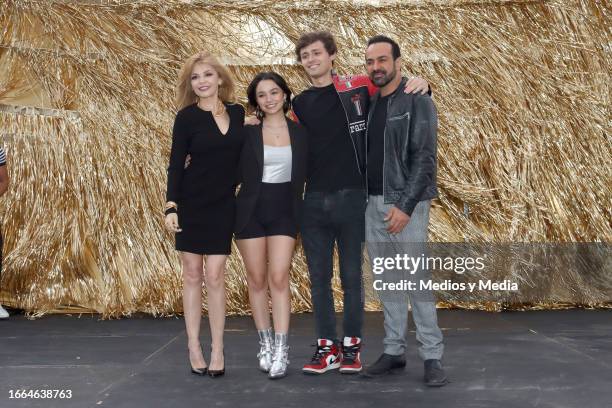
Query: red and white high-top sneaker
(351,353)
(326,357)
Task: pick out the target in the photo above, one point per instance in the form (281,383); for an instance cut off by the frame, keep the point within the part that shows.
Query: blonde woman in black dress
(200,206)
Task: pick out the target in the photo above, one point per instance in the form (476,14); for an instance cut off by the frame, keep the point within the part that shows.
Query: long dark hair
(278,80)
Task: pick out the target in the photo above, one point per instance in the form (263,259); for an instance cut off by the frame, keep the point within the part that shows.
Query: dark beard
(380,82)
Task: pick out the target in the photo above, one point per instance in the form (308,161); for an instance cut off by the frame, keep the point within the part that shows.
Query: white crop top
(277,164)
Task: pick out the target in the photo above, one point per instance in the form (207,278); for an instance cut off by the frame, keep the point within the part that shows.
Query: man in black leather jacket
(401,181)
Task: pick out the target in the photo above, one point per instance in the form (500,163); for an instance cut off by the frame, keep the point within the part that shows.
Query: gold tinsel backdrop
(86,108)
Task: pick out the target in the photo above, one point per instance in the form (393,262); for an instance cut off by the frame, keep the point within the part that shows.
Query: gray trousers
(410,241)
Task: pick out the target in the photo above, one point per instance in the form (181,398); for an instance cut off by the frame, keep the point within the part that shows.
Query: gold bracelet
(170,204)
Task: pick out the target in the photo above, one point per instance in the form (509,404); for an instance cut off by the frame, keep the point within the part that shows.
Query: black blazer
(251,171)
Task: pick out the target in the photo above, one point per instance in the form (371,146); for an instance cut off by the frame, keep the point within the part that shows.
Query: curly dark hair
(324,36)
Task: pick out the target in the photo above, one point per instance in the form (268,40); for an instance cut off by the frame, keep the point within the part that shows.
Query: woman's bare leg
(280,253)
(253,252)
(192,305)
(215,287)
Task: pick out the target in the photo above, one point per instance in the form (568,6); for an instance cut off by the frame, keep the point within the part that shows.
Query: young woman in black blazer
(268,206)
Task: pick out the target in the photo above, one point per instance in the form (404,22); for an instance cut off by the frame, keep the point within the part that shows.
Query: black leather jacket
(409,164)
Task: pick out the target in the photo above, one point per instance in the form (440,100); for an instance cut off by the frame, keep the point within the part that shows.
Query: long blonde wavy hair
(184,92)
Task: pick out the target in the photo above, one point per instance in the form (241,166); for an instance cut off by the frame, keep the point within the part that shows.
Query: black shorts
(273,214)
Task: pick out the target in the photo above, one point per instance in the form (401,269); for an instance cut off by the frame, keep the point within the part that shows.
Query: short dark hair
(278,80)
(312,37)
(395,49)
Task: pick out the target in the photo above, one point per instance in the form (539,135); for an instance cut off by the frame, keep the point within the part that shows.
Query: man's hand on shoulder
(417,85)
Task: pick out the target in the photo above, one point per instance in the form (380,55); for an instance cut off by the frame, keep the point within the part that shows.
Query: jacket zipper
(370,112)
(385,144)
(349,129)
(369,116)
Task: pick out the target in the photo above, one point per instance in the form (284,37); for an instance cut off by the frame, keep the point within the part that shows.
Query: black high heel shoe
(197,371)
(218,373)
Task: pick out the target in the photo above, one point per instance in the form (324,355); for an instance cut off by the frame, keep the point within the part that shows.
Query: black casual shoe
(434,374)
(385,364)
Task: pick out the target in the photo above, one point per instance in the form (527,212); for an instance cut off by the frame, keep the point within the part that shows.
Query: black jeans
(337,216)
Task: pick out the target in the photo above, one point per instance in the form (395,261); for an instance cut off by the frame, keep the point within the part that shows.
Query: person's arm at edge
(4,179)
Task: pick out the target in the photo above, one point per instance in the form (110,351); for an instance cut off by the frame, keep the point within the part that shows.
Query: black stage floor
(494,360)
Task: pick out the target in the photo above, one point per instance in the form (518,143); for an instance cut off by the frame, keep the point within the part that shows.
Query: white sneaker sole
(321,371)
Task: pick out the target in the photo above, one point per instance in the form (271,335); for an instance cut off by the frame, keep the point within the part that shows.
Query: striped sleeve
(2,156)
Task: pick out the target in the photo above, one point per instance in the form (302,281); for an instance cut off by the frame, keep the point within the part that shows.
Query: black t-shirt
(332,161)
(376,146)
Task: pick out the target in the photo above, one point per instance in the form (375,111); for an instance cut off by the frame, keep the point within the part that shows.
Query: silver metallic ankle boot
(280,358)
(266,342)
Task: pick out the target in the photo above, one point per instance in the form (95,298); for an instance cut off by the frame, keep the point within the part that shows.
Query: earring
(258,113)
